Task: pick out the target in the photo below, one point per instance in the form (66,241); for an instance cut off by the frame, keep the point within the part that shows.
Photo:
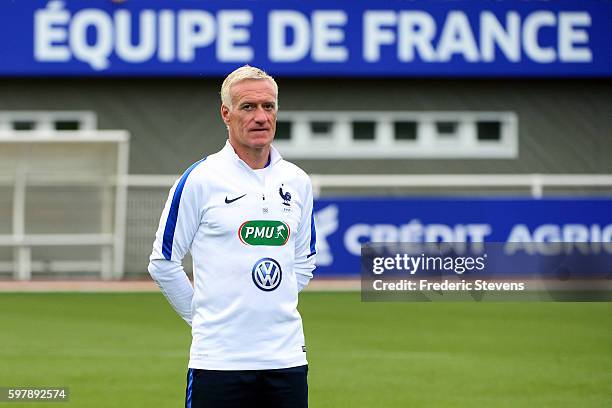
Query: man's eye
(247,107)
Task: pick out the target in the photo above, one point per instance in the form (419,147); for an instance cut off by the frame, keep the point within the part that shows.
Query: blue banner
(343,225)
(461,38)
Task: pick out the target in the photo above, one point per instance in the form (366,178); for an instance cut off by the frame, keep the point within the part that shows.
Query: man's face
(252,119)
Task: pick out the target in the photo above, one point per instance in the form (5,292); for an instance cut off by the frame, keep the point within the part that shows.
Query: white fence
(147,195)
(534,183)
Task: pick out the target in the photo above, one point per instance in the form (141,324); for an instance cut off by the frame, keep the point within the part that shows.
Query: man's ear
(225,114)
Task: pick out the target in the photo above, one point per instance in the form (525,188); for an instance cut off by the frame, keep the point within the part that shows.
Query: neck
(254,158)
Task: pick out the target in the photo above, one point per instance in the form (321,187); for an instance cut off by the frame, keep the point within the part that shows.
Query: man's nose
(260,115)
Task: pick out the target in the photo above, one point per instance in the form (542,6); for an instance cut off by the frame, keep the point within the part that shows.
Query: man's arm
(171,278)
(306,239)
(177,227)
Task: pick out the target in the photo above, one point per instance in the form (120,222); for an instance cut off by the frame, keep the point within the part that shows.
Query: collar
(228,151)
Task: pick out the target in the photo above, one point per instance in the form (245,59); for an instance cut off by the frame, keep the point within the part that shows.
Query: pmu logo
(267,274)
(264,232)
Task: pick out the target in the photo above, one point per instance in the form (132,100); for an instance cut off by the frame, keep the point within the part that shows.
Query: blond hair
(242,74)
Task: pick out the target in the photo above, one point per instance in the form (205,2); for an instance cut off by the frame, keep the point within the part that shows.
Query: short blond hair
(242,74)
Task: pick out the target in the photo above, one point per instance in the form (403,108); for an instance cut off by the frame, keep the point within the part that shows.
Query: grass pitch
(131,350)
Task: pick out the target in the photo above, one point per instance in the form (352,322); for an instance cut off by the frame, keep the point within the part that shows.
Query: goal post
(65,195)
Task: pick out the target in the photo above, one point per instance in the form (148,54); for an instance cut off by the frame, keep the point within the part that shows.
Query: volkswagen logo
(267,274)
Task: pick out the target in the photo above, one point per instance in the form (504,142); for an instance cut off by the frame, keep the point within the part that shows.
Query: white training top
(252,239)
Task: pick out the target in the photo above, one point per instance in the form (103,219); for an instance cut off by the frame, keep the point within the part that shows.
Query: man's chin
(260,142)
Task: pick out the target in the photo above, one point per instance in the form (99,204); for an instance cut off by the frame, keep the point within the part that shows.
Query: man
(245,214)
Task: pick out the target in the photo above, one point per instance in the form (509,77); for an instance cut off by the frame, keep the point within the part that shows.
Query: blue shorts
(280,388)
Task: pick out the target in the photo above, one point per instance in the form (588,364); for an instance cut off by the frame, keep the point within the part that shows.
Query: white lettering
(166,35)
(278,48)
(570,36)
(457,38)
(575,233)
(259,232)
(196,29)
(355,236)
(519,240)
(477,232)
(606,234)
(374,33)
(123,25)
(506,38)
(438,233)
(93,35)
(533,23)
(384,233)
(547,233)
(377,267)
(95,54)
(48,33)
(326,33)
(269,231)
(416,32)
(606,238)
(232,31)
(412,232)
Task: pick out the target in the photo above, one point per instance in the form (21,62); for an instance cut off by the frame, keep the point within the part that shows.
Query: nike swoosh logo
(228,201)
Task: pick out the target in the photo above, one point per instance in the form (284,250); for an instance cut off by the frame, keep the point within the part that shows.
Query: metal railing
(534,182)
(146,194)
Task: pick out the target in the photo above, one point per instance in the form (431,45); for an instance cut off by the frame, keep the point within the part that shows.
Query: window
(24,125)
(321,129)
(283,130)
(489,130)
(67,125)
(388,134)
(364,130)
(405,130)
(446,129)
(28,121)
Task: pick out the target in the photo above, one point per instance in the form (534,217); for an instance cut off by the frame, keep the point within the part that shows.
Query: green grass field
(131,350)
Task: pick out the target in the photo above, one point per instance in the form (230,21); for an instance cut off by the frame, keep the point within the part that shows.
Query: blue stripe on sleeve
(189,388)
(313,235)
(173,213)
